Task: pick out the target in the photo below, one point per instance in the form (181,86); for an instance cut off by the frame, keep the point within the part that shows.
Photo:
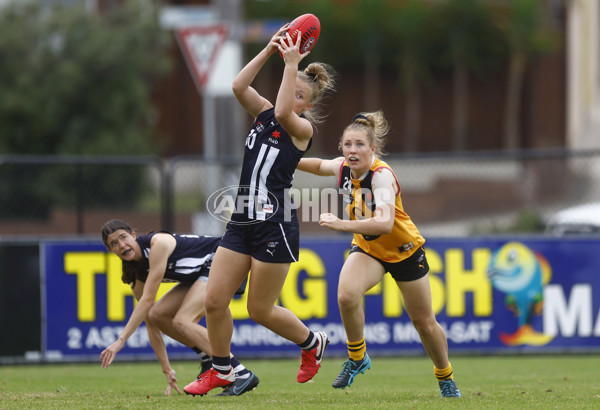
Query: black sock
(310,343)
(222,364)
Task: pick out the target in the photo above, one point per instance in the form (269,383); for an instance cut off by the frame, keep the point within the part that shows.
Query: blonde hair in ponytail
(321,79)
(374,125)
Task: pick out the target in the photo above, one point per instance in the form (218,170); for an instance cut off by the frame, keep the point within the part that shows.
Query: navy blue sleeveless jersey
(191,257)
(270,160)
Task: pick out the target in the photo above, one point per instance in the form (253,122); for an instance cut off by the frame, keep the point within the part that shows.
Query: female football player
(263,234)
(149,260)
(385,240)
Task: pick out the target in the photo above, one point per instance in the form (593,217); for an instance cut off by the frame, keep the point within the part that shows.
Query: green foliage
(349,31)
(26,191)
(526,30)
(72,82)
(410,27)
(429,34)
(486,382)
(465,31)
(527,221)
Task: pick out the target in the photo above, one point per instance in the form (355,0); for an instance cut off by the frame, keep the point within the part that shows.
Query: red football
(309,27)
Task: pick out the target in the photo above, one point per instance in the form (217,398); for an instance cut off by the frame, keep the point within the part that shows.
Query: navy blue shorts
(412,268)
(271,242)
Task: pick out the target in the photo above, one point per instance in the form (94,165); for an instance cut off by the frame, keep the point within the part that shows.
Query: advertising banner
(530,294)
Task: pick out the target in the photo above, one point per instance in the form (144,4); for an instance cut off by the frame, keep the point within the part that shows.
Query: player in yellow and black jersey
(385,240)
(404,238)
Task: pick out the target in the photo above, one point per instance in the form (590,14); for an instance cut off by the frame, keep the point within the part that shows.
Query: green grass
(486,382)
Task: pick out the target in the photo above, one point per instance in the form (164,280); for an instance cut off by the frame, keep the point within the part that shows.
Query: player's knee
(178,323)
(347,300)
(425,325)
(213,304)
(156,317)
(259,312)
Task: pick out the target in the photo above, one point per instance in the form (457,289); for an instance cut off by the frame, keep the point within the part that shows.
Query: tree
(357,35)
(78,83)
(527,35)
(409,26)
(470,43)
(75,83)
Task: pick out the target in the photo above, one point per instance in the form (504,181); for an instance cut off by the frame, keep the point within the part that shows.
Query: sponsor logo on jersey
(276,134)
(347,185)
(406,247)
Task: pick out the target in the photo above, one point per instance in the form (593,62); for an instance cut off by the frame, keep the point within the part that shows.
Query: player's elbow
(384,229)
(238,88)
(384,219)
(282,116)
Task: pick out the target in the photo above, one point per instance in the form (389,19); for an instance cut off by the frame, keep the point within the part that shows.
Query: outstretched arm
(158,345)
(322,167)
(298,127)
(161,246)
(247,96)
(382,221)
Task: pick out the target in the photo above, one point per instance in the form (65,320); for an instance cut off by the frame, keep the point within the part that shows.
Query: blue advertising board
(530,294)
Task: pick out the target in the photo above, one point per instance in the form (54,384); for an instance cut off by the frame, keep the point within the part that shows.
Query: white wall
(583,75)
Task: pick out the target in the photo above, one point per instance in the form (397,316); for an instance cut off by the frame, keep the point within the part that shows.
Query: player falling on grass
(262,236)
(149,260)
(385,240)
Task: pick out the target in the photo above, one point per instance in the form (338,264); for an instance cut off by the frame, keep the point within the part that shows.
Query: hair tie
(359,117)
(313,76)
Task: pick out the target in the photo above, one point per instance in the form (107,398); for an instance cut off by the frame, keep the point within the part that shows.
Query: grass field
(486,382)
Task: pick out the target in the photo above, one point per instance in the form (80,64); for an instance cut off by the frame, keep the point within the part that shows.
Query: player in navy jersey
(148,261)
(263,234)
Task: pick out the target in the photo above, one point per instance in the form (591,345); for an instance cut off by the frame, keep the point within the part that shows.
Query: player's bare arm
(158,345)
(382,221)
(162,245)
(247,96)
(321,167)
(290,90)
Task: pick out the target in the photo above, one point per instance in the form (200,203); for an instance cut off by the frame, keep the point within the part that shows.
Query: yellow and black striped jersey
(359,203)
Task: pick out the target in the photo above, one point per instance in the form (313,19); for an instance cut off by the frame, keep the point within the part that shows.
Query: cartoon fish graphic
(520,273)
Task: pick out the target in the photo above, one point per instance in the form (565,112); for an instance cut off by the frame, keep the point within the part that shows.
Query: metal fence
(448,195)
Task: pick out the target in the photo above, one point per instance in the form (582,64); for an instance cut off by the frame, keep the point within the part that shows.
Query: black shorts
(412,268)
(266,241)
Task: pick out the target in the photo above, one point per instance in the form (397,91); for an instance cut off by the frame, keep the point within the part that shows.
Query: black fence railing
(450,194)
